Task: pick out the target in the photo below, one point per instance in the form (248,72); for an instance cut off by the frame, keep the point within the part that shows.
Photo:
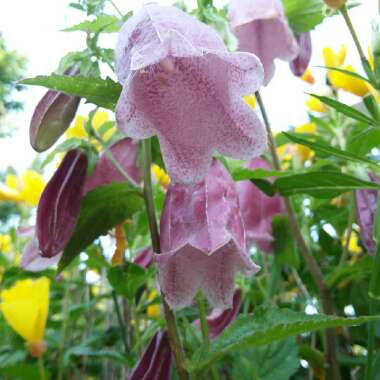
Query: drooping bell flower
(300,64)
(156,361)
(59,205)
(219,319)
(366,204)
(261,28)
(52,116)
(181,84)
(125,153)
(258,210)
(202,241)
(25,307)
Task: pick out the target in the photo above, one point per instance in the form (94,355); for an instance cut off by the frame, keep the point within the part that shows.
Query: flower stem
(203,319)
(120,321)
(363,58)
(174,340)
(41,368)
(370,341)
(116,8)
(307,255)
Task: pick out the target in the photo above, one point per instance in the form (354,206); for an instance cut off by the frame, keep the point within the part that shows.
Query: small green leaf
(101,92)
(345,109)
(303,15)
(265,326)
(242,174)
(329,150)
(103,23)
(101,209)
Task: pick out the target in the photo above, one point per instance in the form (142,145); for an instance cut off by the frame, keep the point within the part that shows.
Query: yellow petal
(99,119)
(5,243)
(33,186)
(12,182)
(308,77)
(160,175)
(8,194)
(153,311)
(25,308)
(78,129)
(307,128)
(348,83)
(315,105)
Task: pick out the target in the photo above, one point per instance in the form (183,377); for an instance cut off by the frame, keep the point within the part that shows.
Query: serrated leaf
(345,109)
(303,15)
(101,92)
(326,149)
(265,326)
(101,209)
(103,23)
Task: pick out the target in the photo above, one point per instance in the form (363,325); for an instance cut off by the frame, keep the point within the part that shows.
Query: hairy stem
(307,255)
(174,340)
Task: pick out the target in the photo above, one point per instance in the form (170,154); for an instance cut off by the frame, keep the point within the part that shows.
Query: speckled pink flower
(258,210)
(262,29)
(202,241)
(181,84)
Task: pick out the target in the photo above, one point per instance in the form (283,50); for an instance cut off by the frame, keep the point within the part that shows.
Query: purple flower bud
(258,210)
(366,204)
(156,361)
(181,84)
(59,205)
(261,28)
(202,241)
(219,319)
(144,257)
(301,62)
(52,116)
(125,152)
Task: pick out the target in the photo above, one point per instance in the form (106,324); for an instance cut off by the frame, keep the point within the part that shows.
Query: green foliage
(103,23)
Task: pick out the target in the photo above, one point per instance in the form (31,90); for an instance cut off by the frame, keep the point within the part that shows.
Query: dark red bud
(156,361)
(52,116)
(59,205)
(144,257)
(301,62)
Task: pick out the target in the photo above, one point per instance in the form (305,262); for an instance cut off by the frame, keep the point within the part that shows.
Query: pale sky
(33,29)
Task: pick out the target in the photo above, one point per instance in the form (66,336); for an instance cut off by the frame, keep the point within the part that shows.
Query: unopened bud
(301,62)
(36,349)
(335,4)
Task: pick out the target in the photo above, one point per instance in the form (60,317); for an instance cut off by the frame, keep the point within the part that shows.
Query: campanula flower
(202,241)
(261,28)
(25,307)
(181,84)
(258,210)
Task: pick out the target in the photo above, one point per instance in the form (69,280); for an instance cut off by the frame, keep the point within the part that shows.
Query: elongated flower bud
(366,203)
(144,258)
(335,4)
(52,116)
(59,205)
(156,361)
(301,62)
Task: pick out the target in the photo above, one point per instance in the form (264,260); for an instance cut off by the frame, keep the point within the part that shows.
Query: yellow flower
(353,245)
(315,105)
(25,307)
(341,80)
(250,100)
(28,188)
(161,176)
(78,128)
(308,77)
(153,311)
(5,243)
(304,152)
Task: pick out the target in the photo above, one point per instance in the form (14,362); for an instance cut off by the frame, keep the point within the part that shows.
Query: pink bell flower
(181,84)
(258,210)
(261,28)
(202,241)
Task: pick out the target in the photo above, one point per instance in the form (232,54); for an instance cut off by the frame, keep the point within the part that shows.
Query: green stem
(175,343)
(41,368)
(116,8)
(120,321)
(307,255)
(363,58)
(370,342)
(203,318)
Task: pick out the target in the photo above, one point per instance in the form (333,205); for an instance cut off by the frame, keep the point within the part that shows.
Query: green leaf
(101,92)
(21,372)
(303,15)
(320,184)
(265,326)
(364,141)
(242,174)
(347,72)
(126,280)
(345,109)
(329,150)
(103,23)
(271,362)
(101,209)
